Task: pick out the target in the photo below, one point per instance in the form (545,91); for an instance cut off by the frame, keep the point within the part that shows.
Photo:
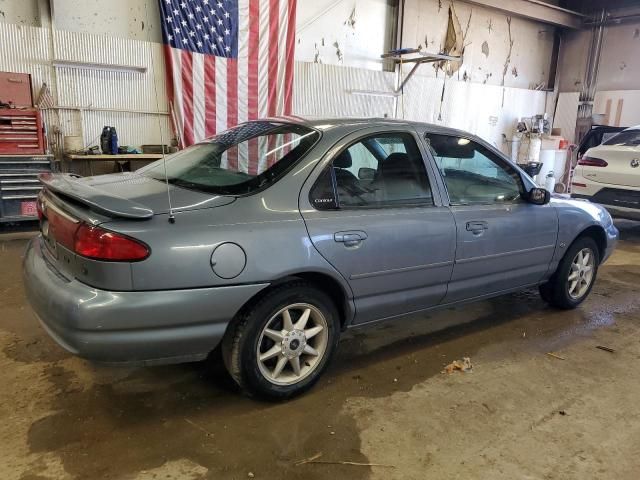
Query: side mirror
(539,196)
(365,173)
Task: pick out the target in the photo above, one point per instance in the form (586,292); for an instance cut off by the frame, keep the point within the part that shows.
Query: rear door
(374,216)
(503,242)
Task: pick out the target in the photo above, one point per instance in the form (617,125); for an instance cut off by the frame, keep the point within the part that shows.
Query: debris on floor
(314,459)
(457,365)
(489,409)
(194,424)
(555,356)
(357,464)
(310,459)
(606,349)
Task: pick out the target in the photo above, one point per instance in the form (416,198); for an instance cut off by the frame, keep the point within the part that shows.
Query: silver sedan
(271,238)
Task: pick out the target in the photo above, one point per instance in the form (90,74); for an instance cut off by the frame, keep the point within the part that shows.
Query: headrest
(343,160)
(395,163)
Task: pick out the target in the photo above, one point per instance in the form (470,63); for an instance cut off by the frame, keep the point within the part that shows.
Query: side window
(383,170)
(472,173)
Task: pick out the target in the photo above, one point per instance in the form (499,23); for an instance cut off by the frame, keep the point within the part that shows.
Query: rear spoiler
(107,203)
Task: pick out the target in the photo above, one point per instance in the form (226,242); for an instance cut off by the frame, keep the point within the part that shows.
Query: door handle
(477,227)
(350,238)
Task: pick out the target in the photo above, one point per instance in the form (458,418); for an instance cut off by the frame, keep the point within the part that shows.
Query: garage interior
(87,88)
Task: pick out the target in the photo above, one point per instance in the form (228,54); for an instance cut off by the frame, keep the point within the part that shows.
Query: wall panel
(83,94)
(94,98)
(327,90)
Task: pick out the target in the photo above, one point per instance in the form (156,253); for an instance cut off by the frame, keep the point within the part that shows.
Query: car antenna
(172,218)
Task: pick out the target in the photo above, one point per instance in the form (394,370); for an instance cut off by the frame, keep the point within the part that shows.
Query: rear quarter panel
(267,226)
(275,245)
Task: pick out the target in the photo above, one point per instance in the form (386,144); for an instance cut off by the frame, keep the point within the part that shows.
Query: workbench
(122,162)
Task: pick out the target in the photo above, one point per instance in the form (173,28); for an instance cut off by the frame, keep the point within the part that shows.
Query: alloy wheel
(292,344)
(581,273)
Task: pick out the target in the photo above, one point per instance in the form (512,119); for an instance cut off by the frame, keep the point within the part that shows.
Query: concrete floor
(520,414)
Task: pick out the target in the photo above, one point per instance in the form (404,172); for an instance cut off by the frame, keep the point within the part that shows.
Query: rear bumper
(623,212)
(615,210)
(142,328)
(619,202)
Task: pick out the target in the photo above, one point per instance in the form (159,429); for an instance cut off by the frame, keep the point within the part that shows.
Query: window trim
(334,184)
(501,162)
(634,131)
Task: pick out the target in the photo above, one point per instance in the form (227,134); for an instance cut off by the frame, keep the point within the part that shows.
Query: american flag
(228,61)
(45,99)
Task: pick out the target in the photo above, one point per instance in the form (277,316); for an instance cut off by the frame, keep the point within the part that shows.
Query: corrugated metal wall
(127,100)
(486,110)
(110,89)
(25,49)
(88,99)
(326,90)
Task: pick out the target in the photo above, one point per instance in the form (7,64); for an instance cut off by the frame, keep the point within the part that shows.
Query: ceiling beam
(535,10)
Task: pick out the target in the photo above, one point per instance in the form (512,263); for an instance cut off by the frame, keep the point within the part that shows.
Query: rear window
(628,138)
(238,161)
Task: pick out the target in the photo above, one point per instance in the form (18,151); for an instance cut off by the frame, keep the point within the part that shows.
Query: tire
(262,329)
(561,292)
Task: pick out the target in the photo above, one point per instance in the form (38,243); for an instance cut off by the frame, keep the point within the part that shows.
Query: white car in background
(609,174)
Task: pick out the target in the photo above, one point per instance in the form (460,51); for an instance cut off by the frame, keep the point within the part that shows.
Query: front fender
(575,217)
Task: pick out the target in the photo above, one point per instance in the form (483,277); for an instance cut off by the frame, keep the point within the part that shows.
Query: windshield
(238,161)
(628,138)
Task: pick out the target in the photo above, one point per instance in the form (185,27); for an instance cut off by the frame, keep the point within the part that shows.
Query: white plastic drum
(533,155)
(548,159)
(560,163)
(73,144)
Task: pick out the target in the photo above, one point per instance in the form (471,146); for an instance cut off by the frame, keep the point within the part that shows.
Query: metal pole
(398,66)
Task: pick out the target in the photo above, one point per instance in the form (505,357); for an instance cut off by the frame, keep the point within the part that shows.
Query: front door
(376,219)
(503,242)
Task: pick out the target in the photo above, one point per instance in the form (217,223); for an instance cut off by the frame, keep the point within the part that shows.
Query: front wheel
(281,345)
(575,276)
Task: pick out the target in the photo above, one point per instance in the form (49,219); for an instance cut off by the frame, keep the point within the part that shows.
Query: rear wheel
(281,345)
(571,283)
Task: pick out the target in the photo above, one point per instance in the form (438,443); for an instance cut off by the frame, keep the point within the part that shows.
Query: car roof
(327,123)
(596,127)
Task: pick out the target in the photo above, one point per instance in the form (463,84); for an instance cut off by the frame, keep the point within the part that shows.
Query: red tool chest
(15,88)
(21,132)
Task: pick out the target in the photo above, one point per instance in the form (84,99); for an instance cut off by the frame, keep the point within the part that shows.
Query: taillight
(61,225)
(100,244)
(39,208)
(592,162)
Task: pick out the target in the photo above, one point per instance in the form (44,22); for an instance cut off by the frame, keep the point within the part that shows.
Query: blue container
(113,141)
(105,144)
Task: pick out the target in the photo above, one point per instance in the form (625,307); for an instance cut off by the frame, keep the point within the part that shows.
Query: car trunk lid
(129,195)
(620,169)
(71,208)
